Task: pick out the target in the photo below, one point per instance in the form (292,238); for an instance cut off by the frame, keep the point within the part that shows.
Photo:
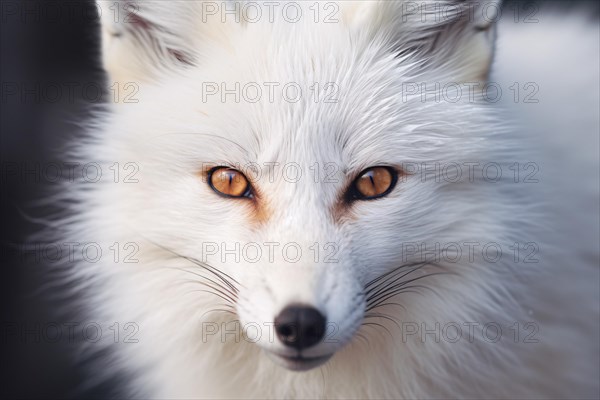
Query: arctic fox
(342,200)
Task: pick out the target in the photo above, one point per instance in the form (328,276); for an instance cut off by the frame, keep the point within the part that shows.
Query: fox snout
(300,327)
(310,312)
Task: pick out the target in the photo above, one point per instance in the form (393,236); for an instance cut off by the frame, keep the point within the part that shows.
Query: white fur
(171,132)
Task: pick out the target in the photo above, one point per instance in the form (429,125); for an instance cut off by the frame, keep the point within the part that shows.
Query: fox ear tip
(141,40)
(420,31)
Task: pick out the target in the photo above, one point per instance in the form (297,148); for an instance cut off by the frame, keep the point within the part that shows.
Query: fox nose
(300,326)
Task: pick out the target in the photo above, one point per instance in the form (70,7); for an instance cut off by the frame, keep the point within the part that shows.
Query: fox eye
(229,182)
(373,183)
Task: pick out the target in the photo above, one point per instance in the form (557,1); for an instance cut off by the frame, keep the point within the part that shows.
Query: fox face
(292,175)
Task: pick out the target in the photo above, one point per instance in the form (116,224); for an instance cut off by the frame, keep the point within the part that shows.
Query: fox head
(297,162)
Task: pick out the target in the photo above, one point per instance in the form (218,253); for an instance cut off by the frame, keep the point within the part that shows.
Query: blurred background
(48,46)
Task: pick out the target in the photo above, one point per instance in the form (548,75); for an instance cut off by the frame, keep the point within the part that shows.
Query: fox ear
(456,35)
(142,39)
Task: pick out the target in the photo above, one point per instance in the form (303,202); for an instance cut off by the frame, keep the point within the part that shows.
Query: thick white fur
(171,132)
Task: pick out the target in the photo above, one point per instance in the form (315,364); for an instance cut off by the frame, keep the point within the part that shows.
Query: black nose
(300,326)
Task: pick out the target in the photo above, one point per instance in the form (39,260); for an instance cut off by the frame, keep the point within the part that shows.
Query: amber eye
(373,183)
(229,182)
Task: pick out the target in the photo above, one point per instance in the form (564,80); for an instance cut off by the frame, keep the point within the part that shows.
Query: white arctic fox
(342,200)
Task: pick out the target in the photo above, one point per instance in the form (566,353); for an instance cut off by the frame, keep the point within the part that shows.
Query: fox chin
(332,200)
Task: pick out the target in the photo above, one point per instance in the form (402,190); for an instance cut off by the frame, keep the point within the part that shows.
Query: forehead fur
(352,99)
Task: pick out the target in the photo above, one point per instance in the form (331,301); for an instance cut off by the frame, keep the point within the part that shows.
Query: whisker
(384,316)
(211,269)
(208,291)
(216,287)
(386,283)
(384,295)
(389,273)
(223,295)
(215,271)
(386,304)
(379,325)
(398,286)
(233,294)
